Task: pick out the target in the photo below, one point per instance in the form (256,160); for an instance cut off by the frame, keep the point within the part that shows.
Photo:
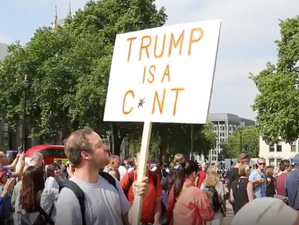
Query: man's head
(114,162)
(85,148)
(243,159)
(285,165)
(137,160)
(296,161)
(261,163)
(130,162)
(264,211)
(37,159)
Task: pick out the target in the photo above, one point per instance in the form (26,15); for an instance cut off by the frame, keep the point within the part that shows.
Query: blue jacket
(292,188)
(5,205)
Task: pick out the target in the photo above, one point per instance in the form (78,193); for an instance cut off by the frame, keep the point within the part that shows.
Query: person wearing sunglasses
(259,179)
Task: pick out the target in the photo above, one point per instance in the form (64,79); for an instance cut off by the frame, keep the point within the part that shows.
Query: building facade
(3,51)
(4,129)
(224,125)
(277,152)
(60,22)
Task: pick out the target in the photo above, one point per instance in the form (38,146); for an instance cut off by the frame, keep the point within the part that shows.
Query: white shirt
(130,169)
(51,183)
(122,171)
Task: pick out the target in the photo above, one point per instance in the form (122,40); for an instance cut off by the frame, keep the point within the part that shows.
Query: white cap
(265,211)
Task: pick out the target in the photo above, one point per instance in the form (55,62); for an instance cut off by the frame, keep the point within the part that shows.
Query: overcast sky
(249,29)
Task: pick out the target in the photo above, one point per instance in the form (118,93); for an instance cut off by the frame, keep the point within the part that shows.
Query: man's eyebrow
(99,143)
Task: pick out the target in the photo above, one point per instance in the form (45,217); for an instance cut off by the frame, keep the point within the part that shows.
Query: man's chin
(107,162)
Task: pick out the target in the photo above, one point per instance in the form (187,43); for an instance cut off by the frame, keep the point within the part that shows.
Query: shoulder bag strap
(47,217)
(79,195)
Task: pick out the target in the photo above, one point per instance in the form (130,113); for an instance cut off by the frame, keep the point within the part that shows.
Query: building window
(271,148)
(271,162)
(278,148)
(278,162)
(293,147)
(213,158)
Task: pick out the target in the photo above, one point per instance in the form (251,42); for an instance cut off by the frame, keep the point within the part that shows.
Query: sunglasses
(262,164)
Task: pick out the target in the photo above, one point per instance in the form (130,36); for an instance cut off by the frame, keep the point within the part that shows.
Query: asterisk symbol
(141,102)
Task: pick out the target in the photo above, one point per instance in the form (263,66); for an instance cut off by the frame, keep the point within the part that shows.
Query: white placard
(163,74)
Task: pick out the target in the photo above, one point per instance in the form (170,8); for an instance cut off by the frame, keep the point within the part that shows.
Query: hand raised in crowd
(141,188)
(22,155)
(20,150)
(8,187)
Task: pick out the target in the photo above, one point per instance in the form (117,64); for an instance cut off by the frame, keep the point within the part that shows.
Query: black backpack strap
(79,195)
(45,215)
(51,210)
(109,178)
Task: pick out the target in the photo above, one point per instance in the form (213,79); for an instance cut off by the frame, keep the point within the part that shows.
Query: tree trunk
(162,148)
(116,140)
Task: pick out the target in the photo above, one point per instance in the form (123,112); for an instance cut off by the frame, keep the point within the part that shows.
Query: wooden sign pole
(142,170)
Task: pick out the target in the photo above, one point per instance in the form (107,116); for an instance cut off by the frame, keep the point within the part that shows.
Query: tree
(170,138)
(205,139)
(70,67)
(277,102)
(135,146)
(243,140)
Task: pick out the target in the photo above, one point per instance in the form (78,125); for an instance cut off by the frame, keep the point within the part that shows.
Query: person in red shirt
(202,174)
(284,167)
(187,204)
(151,207)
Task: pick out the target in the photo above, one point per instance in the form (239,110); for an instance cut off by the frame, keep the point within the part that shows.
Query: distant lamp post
(26,84)
(242,124)
(192,142)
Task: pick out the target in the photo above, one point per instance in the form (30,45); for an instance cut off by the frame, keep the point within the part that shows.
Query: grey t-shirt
(104,205)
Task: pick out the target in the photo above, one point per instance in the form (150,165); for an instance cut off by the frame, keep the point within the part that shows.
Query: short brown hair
(284,164)
(76,143)
(269,171)
(260,159)
(241,157)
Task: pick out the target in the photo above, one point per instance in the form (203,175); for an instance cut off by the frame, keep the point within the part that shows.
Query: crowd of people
(268,193)
(98,188)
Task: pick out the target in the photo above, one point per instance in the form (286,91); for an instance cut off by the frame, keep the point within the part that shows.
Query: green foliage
(135,146)
(206,139)
(278,98)
(243,140)
(69,68)
(171,139)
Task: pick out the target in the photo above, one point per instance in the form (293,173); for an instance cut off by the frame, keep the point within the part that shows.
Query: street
(229,215)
